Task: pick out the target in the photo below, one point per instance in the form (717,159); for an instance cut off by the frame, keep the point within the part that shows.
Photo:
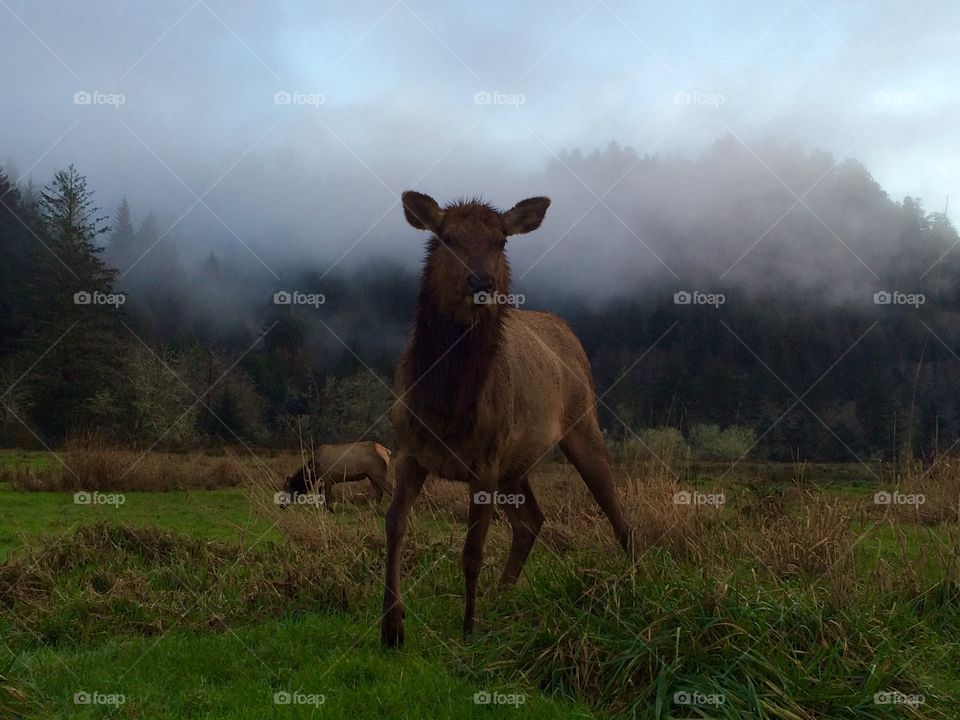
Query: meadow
(173,586)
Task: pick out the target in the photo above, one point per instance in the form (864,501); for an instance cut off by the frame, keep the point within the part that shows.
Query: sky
(279,124)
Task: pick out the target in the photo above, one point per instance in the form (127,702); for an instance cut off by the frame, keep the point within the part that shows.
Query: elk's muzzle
(479,282)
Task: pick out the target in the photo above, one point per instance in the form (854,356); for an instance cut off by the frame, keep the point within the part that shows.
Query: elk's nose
(479,283)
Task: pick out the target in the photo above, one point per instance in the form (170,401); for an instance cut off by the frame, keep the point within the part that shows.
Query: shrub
(665,444)
(710,442)
(354,407)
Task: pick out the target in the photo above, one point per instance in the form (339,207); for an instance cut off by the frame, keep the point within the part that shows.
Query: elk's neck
(451,359)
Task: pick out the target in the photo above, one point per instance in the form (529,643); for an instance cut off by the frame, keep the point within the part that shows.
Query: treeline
(106,330)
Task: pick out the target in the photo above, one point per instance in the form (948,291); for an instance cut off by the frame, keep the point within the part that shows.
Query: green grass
(197,628)
(852,478)
(214,514)
(10,459)
(236,674)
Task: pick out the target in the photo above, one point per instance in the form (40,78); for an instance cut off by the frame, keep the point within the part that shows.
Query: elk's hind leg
(525,520)
(379,483)
(584,447)
(409,481)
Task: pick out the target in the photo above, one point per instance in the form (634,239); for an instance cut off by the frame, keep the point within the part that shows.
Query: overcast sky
(333,108)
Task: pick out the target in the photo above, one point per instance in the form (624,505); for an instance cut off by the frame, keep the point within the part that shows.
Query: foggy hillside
(793,283)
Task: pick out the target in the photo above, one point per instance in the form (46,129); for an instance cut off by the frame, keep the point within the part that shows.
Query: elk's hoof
(391,634)
(633,546)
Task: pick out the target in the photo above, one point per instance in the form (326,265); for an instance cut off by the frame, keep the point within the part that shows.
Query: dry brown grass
(938,484)
(800,533)
(86,466)
(786,533)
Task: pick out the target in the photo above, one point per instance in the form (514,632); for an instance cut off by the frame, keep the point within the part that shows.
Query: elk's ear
(422,211)
(525,216)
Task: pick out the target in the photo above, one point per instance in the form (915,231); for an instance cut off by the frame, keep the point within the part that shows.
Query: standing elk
(337,463)
(484,391)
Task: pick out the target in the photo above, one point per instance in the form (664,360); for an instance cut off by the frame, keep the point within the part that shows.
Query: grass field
(796,596)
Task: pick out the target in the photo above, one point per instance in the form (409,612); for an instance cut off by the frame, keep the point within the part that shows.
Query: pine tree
(156,283)
(17,251)
(74,335)
(210,270)
(160,253)
(71,221)
(29,195)
(120,251)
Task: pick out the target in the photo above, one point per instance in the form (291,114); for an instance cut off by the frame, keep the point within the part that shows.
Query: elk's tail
(383,452)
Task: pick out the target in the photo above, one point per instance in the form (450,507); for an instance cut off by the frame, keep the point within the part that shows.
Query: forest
(835,338)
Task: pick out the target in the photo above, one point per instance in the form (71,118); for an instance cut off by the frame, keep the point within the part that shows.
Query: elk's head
(467,270)
(300,483)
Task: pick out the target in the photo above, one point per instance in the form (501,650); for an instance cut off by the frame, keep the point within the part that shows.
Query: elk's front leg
(327,481)
(482,496)
(409,480)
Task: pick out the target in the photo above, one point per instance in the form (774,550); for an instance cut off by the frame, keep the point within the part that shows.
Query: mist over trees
(106,328)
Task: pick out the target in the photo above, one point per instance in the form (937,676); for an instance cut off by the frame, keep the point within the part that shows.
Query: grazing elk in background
(337,463)
(484,391)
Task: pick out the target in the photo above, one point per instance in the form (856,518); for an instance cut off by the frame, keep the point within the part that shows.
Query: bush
(354,407)
(150,403)
(665,444)
(710,442)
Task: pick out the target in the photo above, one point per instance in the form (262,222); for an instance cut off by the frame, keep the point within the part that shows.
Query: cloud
(399,85)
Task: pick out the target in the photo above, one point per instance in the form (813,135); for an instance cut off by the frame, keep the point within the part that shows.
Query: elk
(336,463)
(484,391)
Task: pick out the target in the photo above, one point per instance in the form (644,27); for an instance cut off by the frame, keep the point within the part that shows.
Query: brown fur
(484,391)
(337,463)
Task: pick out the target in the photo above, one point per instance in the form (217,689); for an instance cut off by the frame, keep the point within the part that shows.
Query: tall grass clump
(636,644)
(106,580)
(799,610)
